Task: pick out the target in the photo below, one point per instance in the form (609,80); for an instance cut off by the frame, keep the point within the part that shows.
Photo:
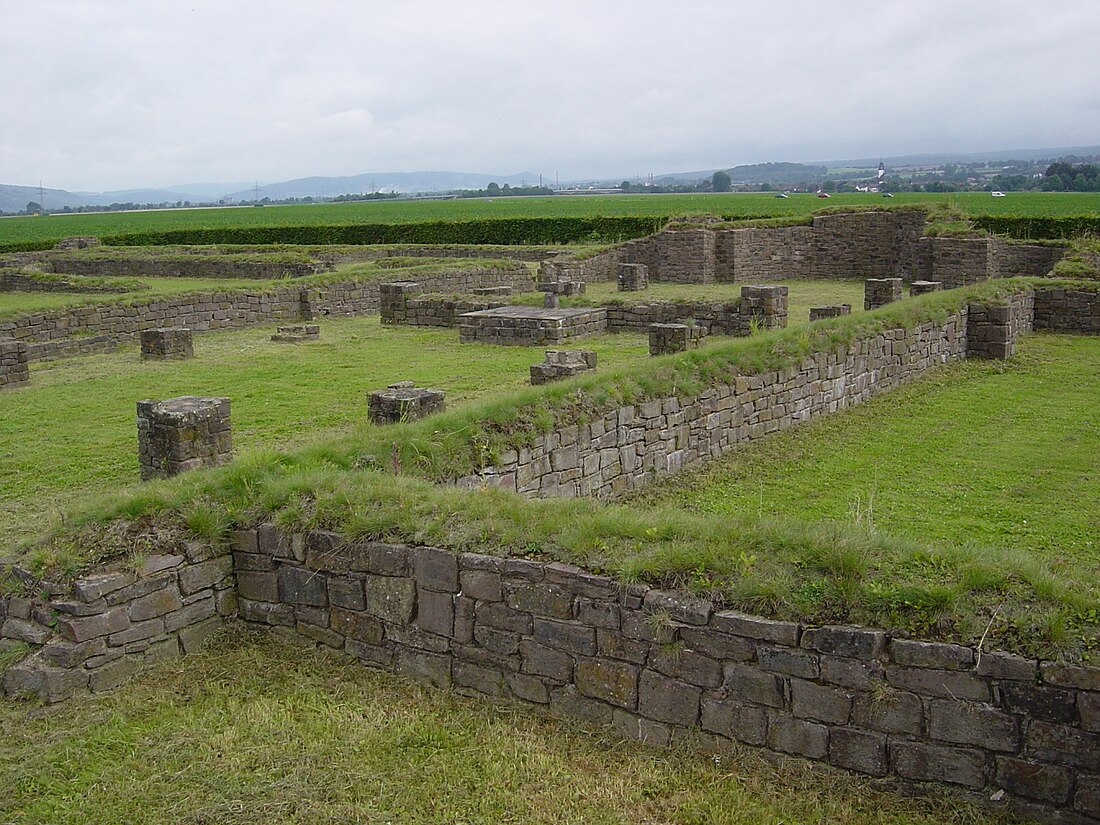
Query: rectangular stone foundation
(669,338)
(921,287)
(832,311)
(166,344)
(402,402)
(13,363)
(561,364)
(297,332)
(531,326)
(878,292)
(182,434)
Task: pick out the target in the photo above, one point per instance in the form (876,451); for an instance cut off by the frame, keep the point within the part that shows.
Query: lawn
(280,393)
(51,227)
(254,730)
(978,452)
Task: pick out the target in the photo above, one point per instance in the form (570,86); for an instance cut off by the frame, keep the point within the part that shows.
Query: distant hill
(403,182)
(776,173)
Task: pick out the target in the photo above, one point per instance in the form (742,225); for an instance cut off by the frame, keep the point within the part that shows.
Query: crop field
(51,227)
(256,730)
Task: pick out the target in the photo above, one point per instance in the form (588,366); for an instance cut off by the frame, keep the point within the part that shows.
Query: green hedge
(510,231)
(26,246)
(1029,228)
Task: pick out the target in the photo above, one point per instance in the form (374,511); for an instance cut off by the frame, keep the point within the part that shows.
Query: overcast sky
(126,93)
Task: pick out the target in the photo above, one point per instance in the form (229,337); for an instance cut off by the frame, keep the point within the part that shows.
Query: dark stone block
(858,751)
(391,598)
(686,665)
(545,661)
(357,625)
(854,642)
(890,712)
(435,612)
(825,704)
(749,684)
(300,586)
(346,592)
(741,722)
(574,638)
(608,680)
(668,700)
(539,599)
(791,662)
(932,763)
(795,736)
(435,569)
(963,723)
(1036,702)
(1034,780)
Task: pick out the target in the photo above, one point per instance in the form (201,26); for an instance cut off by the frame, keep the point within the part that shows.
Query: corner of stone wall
(93,634)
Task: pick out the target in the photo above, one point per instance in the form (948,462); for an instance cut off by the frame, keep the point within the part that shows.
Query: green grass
(979,451)
(803,294)
(51,227)
(279,392)
(17,303)
(253,730)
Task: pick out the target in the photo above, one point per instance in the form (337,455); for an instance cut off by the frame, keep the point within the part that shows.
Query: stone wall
(182,266)
(1068,310)
(531,326)
(850,245)
(12,281)
(991,331)
(106,626)
(235,309)
(14,368)
(660,666)
(628,447)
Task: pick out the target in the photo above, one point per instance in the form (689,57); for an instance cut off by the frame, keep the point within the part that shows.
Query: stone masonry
(924,287)
(166,344)
(14,369)
(586,646)
(562,287)
(531,326)
(764,307)
(633,277)
(182,434)
(669,338)
(833,311)
(562,363)
(403,402)
(297,332)
(878,292)
(991,331)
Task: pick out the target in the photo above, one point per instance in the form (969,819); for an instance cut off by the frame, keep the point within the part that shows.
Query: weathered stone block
(825,704)
(687,666)
(297,333)
(964,723)
(878,292)
(391,598)
(182,434)
(402,402)
(889,711)
(755,627)
(791,662)
(1034,780)
(568,636)
(668,700)
(855,642)
(435,612)
(559,364)
(924,287)
(540,599)
(82,629)
(166,343)
(356,625)
(750,684)
(831,311)
(14,364)
(669,338)
(435,569)
(858,751)
(195,577)
(795,736)
(632,277)
(741,722)
(932,763)
(609,681)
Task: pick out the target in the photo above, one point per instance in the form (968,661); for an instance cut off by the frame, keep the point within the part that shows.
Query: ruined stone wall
(14,360)
(958,262)
(719,318)
(1067,310)
(97,632)
(12,281)
(659,665)
(992,331)
(234,309)
(628,447)
(192,266)
(1009,260)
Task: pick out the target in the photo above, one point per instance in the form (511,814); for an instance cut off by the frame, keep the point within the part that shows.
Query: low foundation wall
(239,308)
(628,447)
(11,281)
(191,266)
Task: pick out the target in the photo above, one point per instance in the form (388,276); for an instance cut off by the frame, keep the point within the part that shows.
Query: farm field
(53,227)
(256,730)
